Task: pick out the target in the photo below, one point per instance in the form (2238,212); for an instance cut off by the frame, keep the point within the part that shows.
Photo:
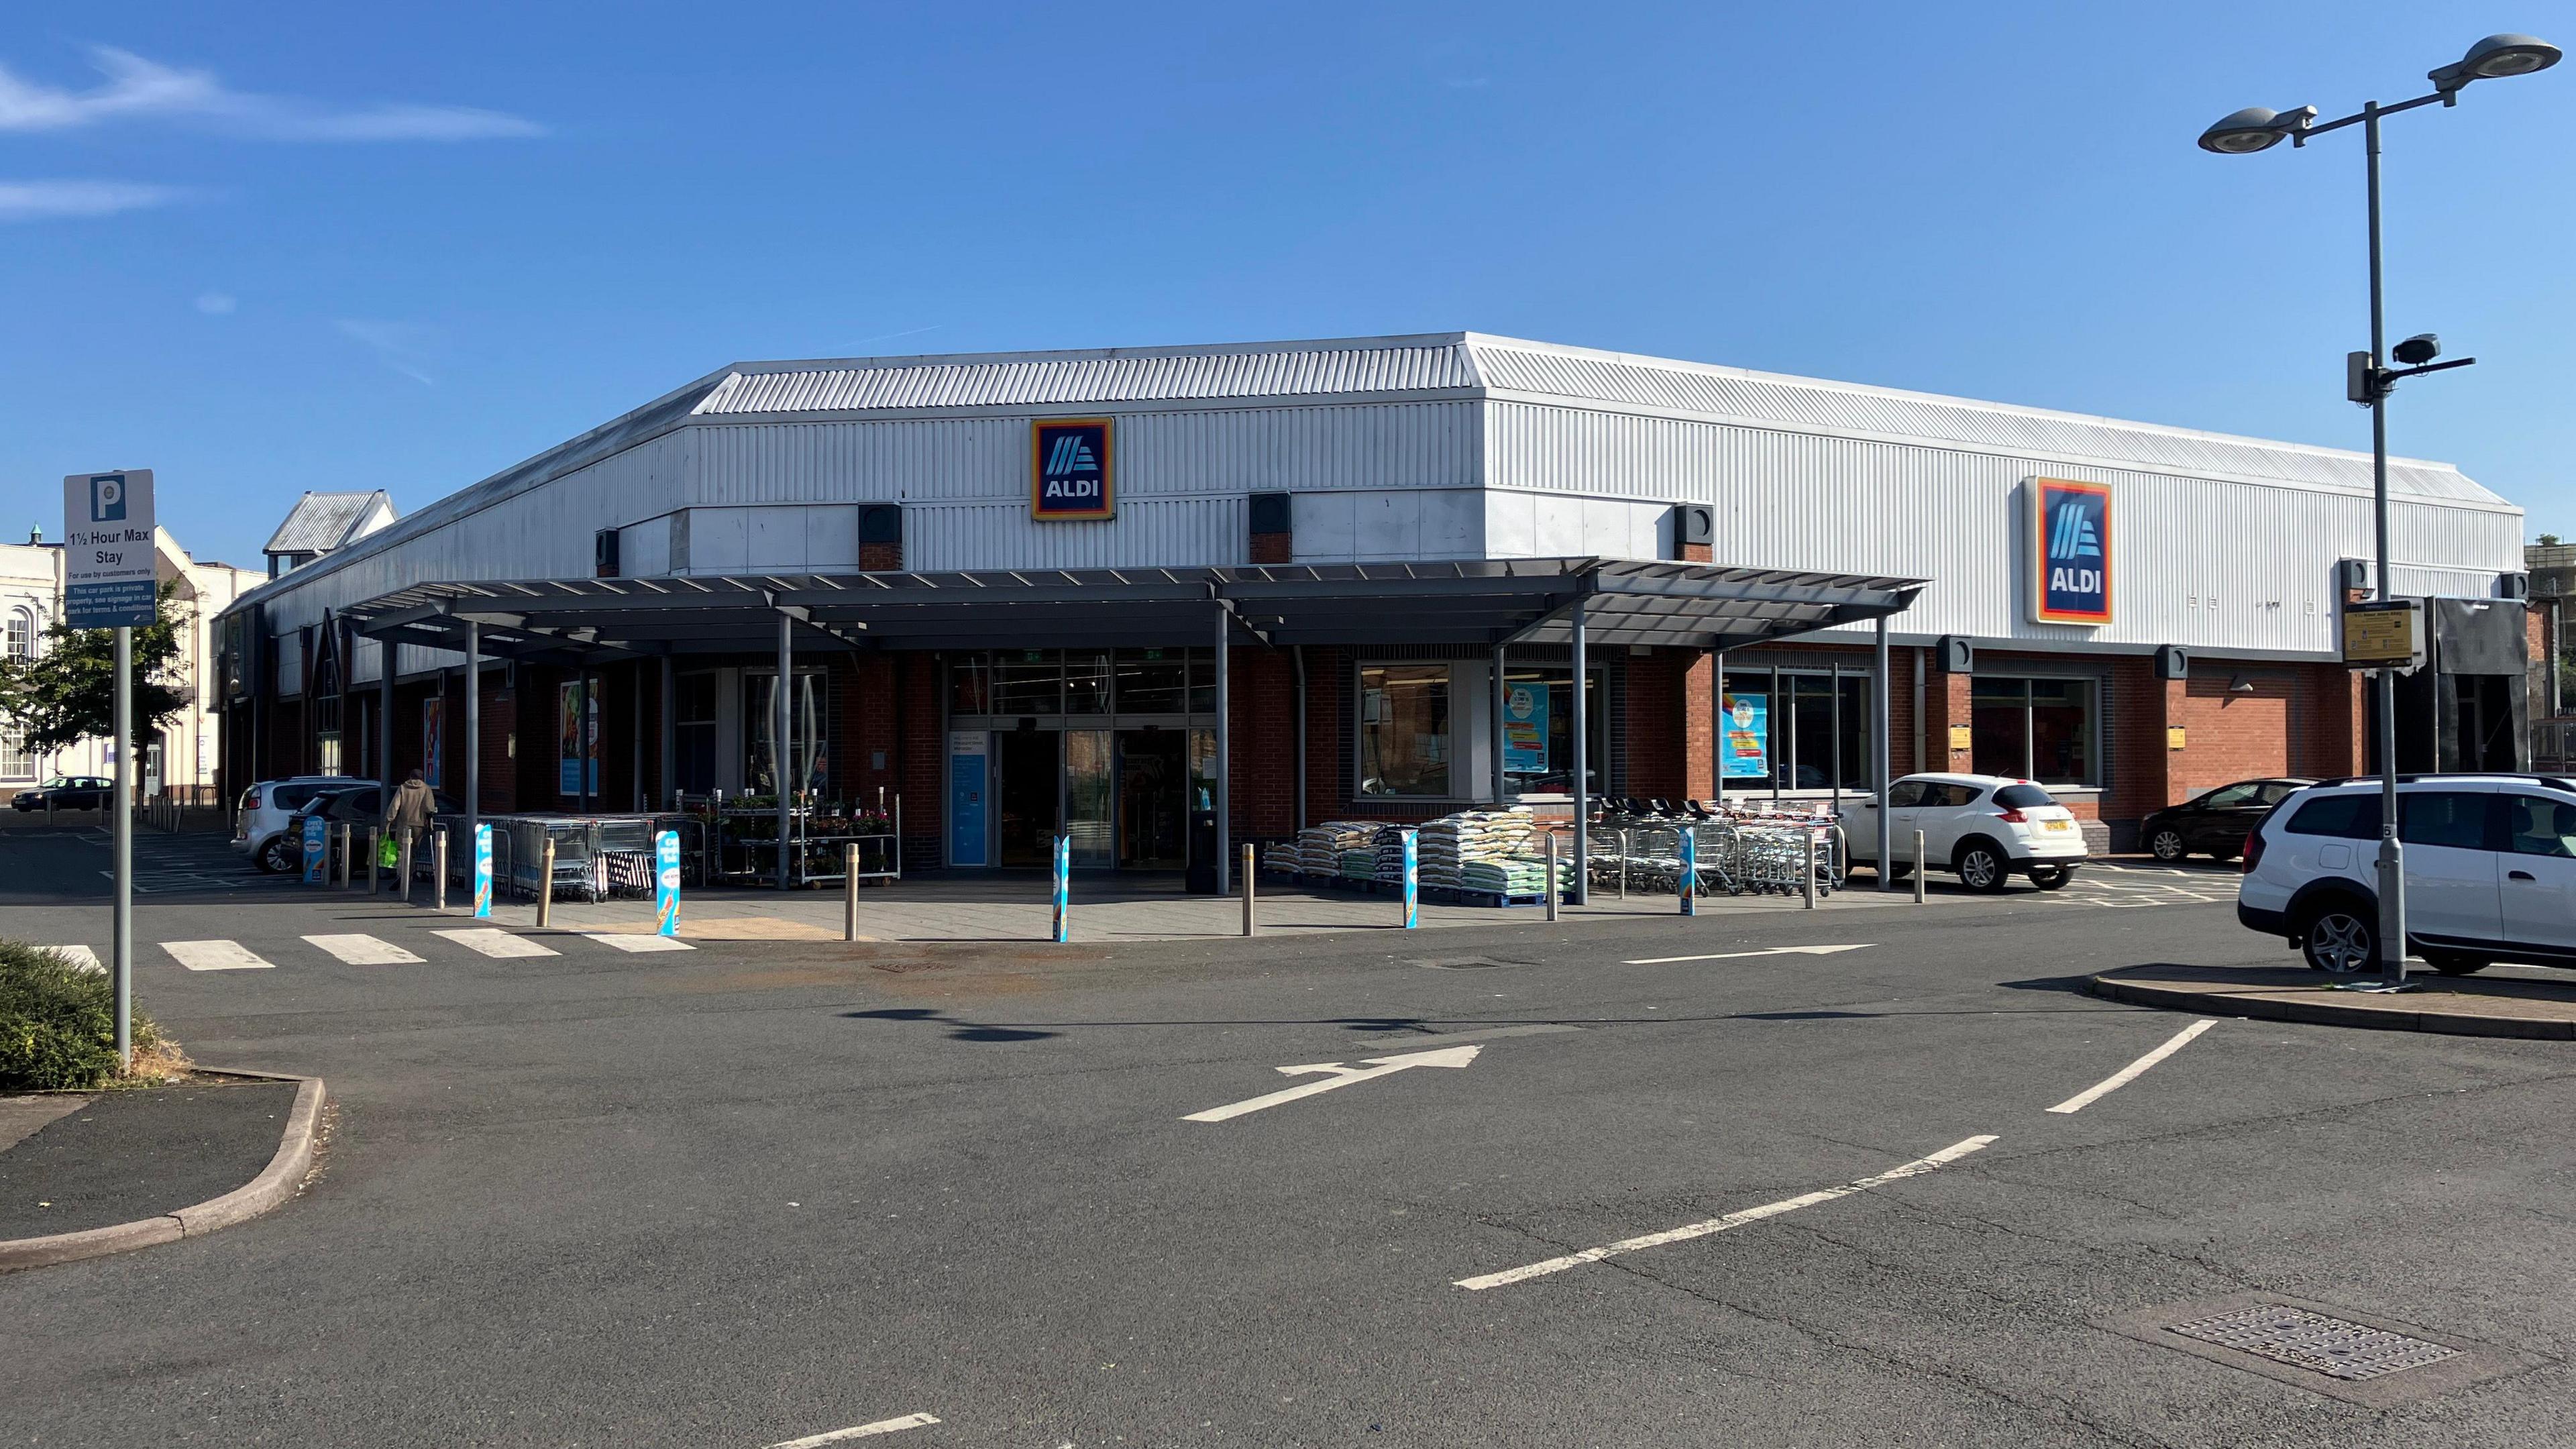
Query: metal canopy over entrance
(1491,603)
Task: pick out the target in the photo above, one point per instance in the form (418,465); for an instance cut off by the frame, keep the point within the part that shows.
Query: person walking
(407,814)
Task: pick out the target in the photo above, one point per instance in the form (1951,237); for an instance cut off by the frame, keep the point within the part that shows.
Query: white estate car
(2490,871)
(265,809)
(1985,827)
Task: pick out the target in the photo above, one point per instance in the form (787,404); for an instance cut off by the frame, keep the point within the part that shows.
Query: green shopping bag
(387,855)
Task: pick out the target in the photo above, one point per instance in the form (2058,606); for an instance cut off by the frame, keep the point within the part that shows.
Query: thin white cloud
(139,88)
(50,200)
(396,344)
(217,304)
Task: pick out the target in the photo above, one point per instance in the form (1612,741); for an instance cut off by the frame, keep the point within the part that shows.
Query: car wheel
(273,858)
(1982,867)
(2168,845)
(2051,877)
(2451,963)
(2342,937)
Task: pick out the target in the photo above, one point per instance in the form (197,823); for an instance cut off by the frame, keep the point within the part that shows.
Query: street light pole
(2257,128)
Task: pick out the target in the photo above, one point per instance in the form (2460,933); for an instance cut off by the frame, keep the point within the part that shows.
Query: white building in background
(186,751)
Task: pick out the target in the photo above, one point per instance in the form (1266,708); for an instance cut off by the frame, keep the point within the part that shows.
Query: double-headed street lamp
(2368,383)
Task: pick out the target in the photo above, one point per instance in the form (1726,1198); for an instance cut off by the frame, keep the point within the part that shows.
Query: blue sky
(265,249)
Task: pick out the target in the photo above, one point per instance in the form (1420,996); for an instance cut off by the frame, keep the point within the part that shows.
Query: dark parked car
(359,808)
(2217,823)
(67,792)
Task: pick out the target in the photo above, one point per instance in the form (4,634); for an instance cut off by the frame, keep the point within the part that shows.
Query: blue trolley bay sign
(2070,548)
(1071,469)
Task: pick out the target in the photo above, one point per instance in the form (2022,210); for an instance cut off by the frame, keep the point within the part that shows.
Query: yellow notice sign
(1960,737)
(2383,635)
(2173,737)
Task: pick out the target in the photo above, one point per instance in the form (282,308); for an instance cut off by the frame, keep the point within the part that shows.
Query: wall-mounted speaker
(2173,662)
(1957,655)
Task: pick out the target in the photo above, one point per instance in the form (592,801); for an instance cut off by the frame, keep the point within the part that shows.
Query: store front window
(1538,730)
(1797,731)
(2034,729)
(1404,737)
(1023,683)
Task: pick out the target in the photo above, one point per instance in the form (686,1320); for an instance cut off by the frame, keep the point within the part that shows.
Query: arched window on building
(21,642)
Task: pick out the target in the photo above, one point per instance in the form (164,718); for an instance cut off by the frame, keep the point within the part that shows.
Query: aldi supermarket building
(1093,592)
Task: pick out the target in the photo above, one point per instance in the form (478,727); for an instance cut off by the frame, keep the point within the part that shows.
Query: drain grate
(2335,1346)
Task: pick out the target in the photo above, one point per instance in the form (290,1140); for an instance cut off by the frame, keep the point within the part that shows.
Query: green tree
(67,693)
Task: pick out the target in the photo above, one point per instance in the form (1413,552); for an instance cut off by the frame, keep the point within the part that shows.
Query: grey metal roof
(321,522)
(1153,374)
(1461,601)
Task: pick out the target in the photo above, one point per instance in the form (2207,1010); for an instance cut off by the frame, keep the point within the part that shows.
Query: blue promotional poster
(1525,728)
(966,761)
(314,850)
(483,872)
(1745,743)
(666,883)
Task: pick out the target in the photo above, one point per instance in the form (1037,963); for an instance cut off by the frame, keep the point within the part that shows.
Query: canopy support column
(1717,726)
(1224,762)
(1494,667)
(781,720)
(473,730)
(1879,749)
(1582,766)
(1298,654)
(387,654)
(670,716)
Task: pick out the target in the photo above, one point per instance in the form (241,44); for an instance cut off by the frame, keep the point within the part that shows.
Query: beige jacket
(412,805)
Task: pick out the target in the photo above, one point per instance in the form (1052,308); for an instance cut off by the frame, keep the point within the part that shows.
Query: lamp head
(2255,128)
(2494,58)
(2417,350)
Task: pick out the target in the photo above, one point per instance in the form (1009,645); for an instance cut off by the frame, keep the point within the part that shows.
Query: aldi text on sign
(107,550)
(1071,469)
(2070,544)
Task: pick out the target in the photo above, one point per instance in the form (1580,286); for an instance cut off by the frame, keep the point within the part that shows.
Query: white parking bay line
(81,957)
(2134,1070)
(492,941)
(636,941)
(1917,1167)
(215,956)
(857,1431)
(364,950)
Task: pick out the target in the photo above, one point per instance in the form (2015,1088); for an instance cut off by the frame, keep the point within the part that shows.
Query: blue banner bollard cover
(313,848)
(482,872)
(1063,888)
(666,883)
(1689,883)
(1412,879)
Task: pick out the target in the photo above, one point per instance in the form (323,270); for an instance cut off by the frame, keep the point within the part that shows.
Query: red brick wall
(1261,791)
(1327,716)
(881,557)
(499,785)
(1274,548)
(865,716)
(922,758)
(1698,724)
(1656,731)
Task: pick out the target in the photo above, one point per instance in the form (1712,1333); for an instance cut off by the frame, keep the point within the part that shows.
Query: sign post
(108,583)
(666,883)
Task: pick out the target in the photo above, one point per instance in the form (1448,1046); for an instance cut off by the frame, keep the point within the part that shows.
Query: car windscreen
(2023,797)
(294,797)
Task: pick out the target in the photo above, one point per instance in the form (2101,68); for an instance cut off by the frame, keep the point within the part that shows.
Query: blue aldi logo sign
(2070,544)
(1070,469)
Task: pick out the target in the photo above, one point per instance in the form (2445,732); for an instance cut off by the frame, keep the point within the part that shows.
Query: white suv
(265,809)
(2490,871)
(1985,827)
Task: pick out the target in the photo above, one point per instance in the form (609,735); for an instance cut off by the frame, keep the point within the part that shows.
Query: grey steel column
(1879,762)
(1717,726)
(1298,653)
(782,719)
(1224,760)
(1501,781)
(1582,769)
(387,652)
(581,739)
(670,721)
(474,729)
(121,927)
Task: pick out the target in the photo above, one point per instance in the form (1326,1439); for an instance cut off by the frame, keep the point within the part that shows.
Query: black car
(67,792)
(2217,823)
(359,807)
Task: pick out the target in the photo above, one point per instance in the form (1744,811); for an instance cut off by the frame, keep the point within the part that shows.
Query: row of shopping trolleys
(1733,852)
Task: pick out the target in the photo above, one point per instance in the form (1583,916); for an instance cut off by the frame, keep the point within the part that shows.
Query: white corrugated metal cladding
(1444,446)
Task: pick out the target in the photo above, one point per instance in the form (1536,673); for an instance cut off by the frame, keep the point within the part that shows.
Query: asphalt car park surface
(753,1193)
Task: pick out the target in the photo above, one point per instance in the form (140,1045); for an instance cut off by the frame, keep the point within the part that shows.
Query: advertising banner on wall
(2070,552)
(433,752)
(576,740)
(1744,742)
(1525,728)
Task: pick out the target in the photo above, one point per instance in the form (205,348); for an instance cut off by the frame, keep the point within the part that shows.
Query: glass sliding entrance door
(1153,799)
(1026,792)
(1090,782)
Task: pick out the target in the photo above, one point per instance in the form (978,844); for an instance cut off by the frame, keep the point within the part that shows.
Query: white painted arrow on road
(1341,1076)
(1770,951)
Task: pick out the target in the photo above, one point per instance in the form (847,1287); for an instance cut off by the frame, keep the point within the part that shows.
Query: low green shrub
(57,1023)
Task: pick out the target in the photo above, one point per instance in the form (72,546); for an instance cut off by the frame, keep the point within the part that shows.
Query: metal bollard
(1412,878)
(343,846)
(1811,870)
(1552,891)
(1251,865)
(402,867)
(1063,890)
(1686,879)
(438,870)
(850,892)
(1623,862)
(1918,867)
(546,883)
(375,853)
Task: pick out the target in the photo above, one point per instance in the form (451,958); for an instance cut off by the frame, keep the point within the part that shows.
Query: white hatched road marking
(215,956)
(637,942)
(364,950)
(491,941)
(2134,1070)
(80,956)
(857,1431)
(1920,1165)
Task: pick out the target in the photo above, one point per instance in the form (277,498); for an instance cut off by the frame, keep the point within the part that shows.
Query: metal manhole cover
(2335,1346)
